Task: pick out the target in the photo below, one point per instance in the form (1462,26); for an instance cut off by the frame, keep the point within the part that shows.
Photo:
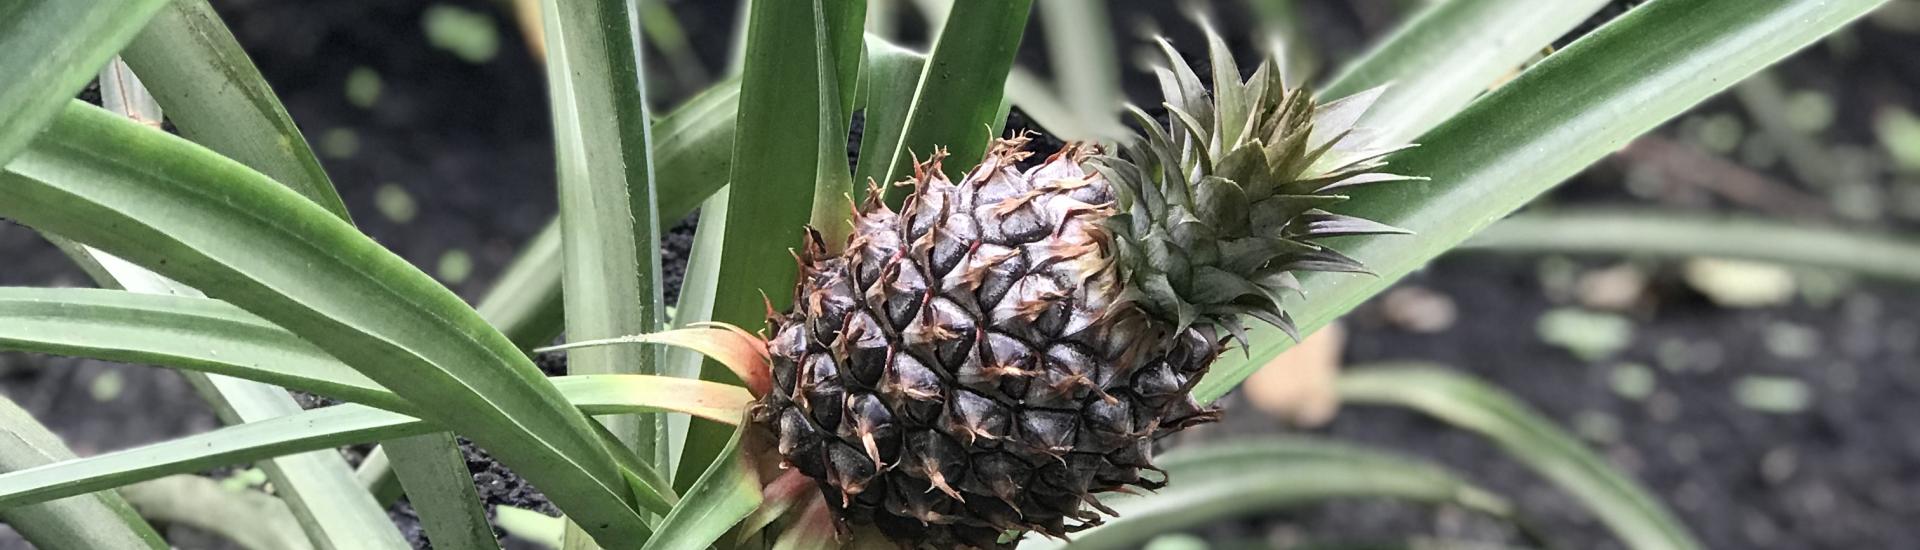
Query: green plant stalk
(175,209)
(610,234)
(1681,234)
(49,50)
(524,304)
(1448,54)
(1548,124)
(101,520)
(204,335)
(317,486)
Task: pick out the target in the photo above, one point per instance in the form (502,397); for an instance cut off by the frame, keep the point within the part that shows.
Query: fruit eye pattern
(985,360)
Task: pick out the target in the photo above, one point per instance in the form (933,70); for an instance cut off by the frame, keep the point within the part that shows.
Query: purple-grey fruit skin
(968,368)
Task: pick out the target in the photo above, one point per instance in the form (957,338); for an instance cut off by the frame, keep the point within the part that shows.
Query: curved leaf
(744,354)
(1448,54)
(725,494)
(1643,233)
(1623,505)
(350,424)
(886,89)
(1555,119)
(216,97)
(204,335)
(83,522)
(1217,483)
(175,208)
(49,49)
(316,486)
(196,334)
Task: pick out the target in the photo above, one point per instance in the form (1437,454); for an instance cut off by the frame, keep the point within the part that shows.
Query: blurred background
(1769,406)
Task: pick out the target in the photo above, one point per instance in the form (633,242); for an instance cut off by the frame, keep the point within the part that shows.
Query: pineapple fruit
(984,361)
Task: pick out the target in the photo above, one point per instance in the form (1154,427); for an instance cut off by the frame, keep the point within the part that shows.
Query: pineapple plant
(994,357)
(1000,349)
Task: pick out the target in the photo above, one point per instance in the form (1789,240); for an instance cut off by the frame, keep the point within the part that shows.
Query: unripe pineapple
(982,362)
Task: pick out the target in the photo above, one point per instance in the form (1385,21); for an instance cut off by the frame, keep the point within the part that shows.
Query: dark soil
(468,143)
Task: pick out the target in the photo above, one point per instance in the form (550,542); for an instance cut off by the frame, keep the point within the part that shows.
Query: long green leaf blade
(1555,119)
(82,522)
(316,486)
(376,475)
(886,90)
(1448,54)
(692,150)
(196,334)
(339,425)
(1656,233)
(958,101)
(216,97)
(173,207)
(252,519)
(1625,506)
(608,220)
(201,335)
(434,475)
(837,64)
(696,306)
(724,495)
(774,168)
(1227,481)
(49,49)
(1086,64)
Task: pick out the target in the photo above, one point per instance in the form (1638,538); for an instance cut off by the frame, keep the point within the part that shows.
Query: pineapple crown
(1218,209)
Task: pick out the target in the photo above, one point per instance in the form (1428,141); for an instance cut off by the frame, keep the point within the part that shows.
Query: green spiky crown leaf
(1221,207)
